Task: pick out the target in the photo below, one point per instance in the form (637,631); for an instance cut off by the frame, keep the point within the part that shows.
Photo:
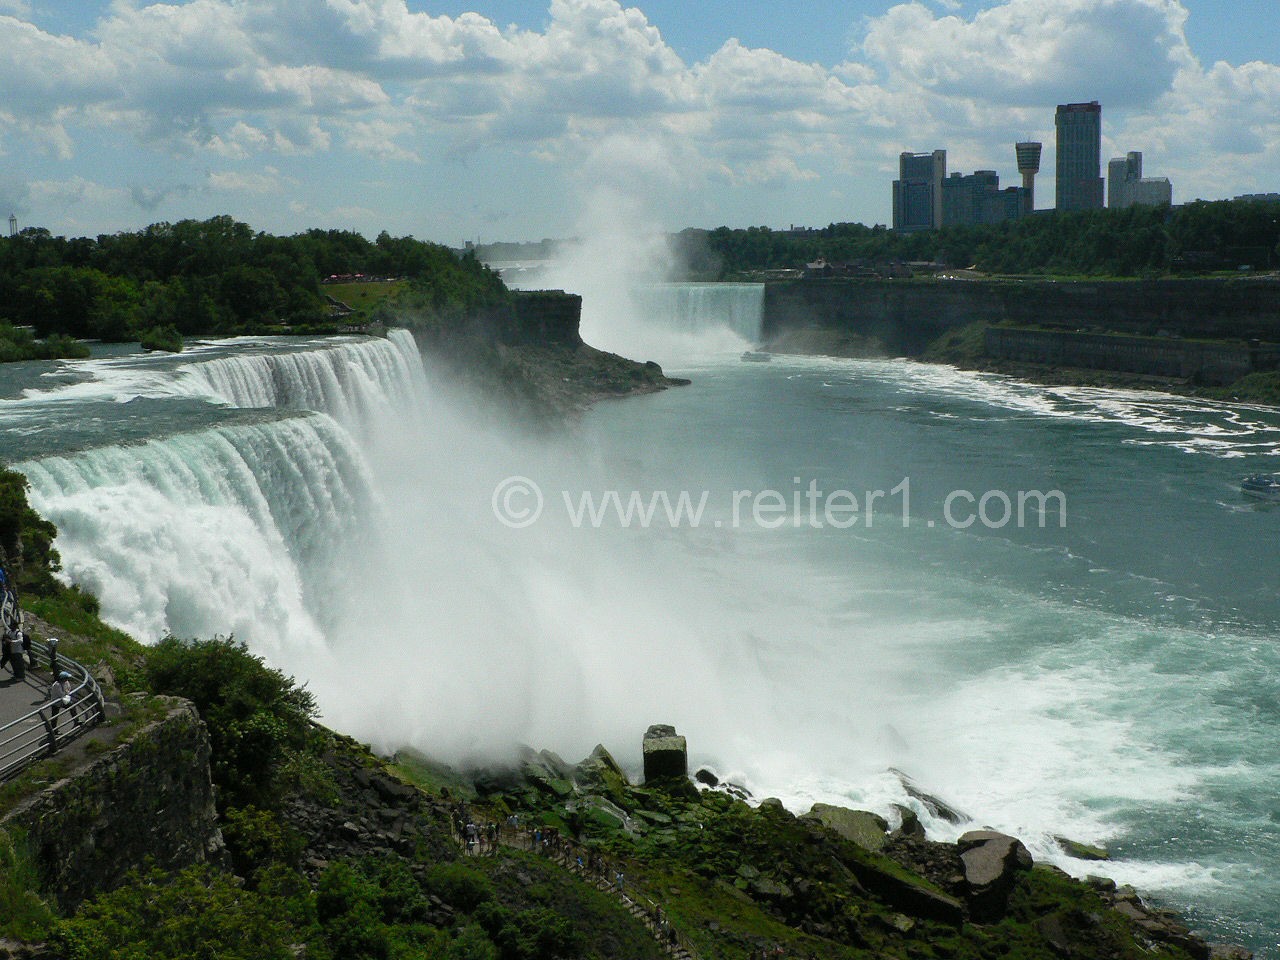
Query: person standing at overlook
(61,695)
(12,654)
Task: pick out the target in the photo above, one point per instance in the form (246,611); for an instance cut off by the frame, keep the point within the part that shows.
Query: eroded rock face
(992,862)
(666,755)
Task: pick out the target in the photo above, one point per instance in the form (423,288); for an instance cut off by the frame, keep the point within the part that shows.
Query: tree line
(1136,241)
(216,276)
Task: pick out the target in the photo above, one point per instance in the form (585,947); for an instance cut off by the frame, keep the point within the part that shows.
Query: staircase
(575,858)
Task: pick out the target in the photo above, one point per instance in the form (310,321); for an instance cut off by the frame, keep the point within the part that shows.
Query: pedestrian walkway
(606,874)
(29,729)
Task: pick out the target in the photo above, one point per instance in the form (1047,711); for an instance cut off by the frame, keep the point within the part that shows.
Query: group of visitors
(485,838)
(17,654)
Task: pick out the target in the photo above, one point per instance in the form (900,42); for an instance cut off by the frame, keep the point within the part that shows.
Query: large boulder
(600,774)
(867,830)
(992,862)
(666,756)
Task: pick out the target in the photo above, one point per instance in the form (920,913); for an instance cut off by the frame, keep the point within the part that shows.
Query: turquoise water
(1111,679)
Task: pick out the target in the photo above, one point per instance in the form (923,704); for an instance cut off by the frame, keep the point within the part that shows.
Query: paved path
(19,697)
(32,736)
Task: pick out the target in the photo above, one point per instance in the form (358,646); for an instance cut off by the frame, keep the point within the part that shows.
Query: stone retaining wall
(148,799)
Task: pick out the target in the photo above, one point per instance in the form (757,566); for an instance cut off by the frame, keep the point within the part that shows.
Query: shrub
(161,338)
(348,910)
(457,885)
(257,839)
(23,915)
(257,717)
(198,913)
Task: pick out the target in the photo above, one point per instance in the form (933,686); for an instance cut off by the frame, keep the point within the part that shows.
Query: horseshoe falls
(442,582)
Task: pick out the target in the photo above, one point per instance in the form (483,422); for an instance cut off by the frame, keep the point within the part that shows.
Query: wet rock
(865,829)
(706,776)
(903,891)
(936,807)
(1081,851)
(910,825)
(666,754)
(1229,951)
(773,806)
(768,889)
(992,862)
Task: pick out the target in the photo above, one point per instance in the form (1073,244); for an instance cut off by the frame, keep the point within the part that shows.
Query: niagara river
(853,589)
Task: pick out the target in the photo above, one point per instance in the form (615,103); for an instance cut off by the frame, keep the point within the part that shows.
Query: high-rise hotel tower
(1079,172)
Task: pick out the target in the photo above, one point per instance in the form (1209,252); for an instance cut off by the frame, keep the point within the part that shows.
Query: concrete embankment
(1205,331)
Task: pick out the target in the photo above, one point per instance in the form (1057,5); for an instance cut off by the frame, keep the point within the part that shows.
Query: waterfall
(702,308)
(674,322)
(354,382)
(244,523)
(227,530)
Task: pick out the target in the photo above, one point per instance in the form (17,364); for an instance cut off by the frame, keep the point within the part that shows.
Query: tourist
(13,655)
(61,694)
(26,646)
(54,669)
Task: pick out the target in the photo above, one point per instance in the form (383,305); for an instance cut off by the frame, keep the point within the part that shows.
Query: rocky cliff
(1202,331)
(147,797)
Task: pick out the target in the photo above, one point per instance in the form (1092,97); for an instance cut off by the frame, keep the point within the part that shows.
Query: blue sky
(514,120)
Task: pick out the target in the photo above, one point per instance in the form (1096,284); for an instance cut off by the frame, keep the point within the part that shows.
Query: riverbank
(966,348)
(1216,338)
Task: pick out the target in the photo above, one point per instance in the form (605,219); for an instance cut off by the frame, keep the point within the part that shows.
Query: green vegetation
(212,277)
(23,914)
(258,719)
(19,343)
(200,912)
(26,539)
(366,296)
(1262,387)
(161,338)
(1137,241)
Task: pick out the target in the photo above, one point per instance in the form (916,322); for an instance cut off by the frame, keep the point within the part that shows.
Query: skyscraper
(1079,180)
(917,193)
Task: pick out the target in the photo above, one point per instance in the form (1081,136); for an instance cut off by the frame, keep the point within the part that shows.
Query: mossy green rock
(865,829)
(1082,851)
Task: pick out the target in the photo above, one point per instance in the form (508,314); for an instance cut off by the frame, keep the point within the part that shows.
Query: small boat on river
(1261,487)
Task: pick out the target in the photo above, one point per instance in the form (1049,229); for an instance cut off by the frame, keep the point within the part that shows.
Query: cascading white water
(675,322)
(354,383)
(229,529)
(244,527)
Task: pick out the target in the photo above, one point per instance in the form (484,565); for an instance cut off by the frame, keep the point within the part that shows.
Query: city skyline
(524,120)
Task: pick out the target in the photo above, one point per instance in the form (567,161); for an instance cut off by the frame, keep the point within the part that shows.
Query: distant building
(1259,197)
(1079,182)
(977,198)
(1127,187)
(1028,154)
(917,193)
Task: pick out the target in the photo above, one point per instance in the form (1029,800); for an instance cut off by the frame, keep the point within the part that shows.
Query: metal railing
(42,731)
